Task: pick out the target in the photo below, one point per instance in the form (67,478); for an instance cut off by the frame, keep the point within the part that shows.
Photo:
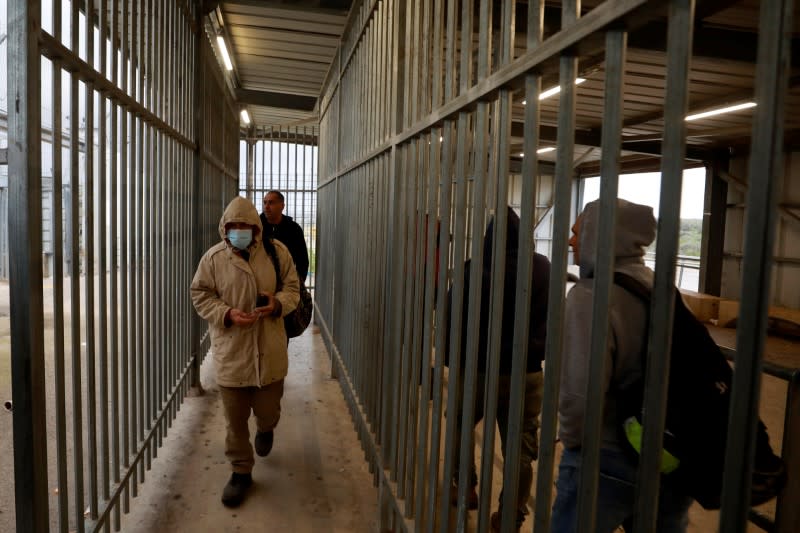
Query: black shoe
(263,443)
(234,491)
(472,497)
(495,519)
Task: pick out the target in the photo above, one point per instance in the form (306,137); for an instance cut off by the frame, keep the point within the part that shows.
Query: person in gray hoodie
(635,229)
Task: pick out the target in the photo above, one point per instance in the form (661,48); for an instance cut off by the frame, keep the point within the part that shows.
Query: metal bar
(461,166)
(766,158)
(445,203)
(95,524)
(524,281)
(513,74)
(604,271)
(125,316)
(89,289)
(53,49)
(713,232)
(555,309)
(679,50)
(57,207)
(103,260)
(115,203)
(25,267)
(75,279)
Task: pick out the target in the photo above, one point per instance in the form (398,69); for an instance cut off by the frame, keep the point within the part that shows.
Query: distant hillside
(690,239)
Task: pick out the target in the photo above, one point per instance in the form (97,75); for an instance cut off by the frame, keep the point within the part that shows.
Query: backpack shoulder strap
(273,255)
(632,285)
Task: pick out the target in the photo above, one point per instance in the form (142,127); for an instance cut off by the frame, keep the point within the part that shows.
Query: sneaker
(472,497)
(263,442)
(496,518)
(234,491)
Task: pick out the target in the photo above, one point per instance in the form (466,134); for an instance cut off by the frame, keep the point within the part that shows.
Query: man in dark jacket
(282,227)
(535,354)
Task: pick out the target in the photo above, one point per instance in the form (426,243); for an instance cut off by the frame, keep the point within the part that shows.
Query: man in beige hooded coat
(234,289)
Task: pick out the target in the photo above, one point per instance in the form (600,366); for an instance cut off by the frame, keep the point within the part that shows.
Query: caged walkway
(315,479)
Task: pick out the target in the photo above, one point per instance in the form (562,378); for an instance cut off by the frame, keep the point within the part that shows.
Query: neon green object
(633,432)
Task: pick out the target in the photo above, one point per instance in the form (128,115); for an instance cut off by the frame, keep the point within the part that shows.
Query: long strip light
(719,111)
(554,90)
(245,116)
(541,150)
(224,51)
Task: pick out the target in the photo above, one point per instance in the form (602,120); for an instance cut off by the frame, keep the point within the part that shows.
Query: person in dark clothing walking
(282,227)
(534,382)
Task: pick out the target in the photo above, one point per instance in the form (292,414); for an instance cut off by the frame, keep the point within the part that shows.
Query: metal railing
(106,350)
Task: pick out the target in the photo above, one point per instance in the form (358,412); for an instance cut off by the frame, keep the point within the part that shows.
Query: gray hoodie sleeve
(575,373)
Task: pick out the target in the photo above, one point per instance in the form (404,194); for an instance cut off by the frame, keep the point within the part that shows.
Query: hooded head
(240,211)
(634,231)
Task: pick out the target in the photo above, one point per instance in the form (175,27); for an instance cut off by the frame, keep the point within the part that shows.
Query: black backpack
(698,403)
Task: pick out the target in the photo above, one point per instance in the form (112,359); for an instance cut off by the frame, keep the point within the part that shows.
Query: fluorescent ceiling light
(540,150)
(555,90)
(721,110)
(224,51)
(245,116)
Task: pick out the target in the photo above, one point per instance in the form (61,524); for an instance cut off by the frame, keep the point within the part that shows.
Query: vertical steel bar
(604,272)
(126,238)
(679,50)
(75,275)
(60,369)
(485,157)
(114,411)
(431,274)
(89,234)
(765,165)
(102,263)
(442,303)
(389,384)
(555,309)
(25,266)
(524,280)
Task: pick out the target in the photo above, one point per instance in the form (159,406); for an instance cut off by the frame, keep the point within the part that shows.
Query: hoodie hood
(634,231)
(241,210)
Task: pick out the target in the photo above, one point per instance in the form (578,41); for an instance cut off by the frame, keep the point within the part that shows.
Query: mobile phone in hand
(262,300)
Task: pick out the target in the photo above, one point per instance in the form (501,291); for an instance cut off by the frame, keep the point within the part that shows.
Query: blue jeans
(616,496)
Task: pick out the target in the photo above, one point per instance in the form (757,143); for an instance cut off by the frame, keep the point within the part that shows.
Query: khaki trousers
(265,402)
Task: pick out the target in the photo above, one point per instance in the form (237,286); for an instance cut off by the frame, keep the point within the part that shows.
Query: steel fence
(415,159)
(146,138)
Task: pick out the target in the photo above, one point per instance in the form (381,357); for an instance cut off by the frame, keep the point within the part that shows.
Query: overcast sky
(645,189)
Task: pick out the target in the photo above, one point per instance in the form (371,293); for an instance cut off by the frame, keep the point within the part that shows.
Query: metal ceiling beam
(328,7)
(273,99)
(711,43)
(283,136)
(592,138)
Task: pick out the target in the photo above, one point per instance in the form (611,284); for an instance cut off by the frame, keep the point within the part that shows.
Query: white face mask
(240,238)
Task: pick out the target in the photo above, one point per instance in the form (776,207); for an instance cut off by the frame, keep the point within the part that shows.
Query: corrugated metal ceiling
(283,51)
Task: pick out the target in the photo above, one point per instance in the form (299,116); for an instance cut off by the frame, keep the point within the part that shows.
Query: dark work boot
(472,496)
(234,492)
(494,520)
(263,443)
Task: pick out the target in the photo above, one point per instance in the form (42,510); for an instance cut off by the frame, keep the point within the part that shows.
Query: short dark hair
(283,200)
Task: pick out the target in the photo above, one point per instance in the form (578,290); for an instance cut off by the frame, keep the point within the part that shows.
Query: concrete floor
(315,479)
